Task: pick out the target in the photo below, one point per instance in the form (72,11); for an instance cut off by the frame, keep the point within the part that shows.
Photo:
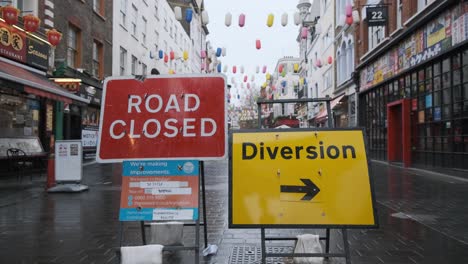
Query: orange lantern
(54,37)
(31,23)
(10,14)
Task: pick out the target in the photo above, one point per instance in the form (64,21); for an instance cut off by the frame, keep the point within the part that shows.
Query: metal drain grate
(253,255)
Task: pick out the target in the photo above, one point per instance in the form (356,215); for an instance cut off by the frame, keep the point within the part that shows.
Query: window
(156,9)
(97,59)
(144,69)
(123,60)
(134,64)
(134,21)
(98,6)
(327,79)
(423,3)
(143,31)
(376,35)
(73,47)
(399,8)
(327,38)
(349,59)
(123,12)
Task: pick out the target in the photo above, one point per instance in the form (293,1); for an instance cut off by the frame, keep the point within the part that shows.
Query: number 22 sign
(376,16)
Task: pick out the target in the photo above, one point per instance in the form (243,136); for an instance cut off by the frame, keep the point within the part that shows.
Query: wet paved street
(422,220)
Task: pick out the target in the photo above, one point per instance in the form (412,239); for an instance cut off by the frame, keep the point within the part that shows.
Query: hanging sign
(159,190)
(163,117)
(308,177)
(377,16)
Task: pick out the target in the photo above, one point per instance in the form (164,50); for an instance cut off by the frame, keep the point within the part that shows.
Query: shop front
(413,100)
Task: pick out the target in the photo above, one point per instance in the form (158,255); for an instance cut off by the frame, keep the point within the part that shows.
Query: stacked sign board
(159,128)
(289,178)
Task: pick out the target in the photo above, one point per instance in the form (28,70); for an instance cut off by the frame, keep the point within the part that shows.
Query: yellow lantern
(268,76)
(270,20)
(296,67)
(185,55)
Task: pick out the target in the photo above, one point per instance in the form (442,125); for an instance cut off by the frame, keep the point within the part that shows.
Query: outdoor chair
(18,162)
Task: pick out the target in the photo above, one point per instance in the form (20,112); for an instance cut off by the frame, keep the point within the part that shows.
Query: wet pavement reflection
(422,220)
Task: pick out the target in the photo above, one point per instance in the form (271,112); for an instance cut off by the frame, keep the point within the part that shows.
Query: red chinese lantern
(330,60)
(280,68)
(234,69)
(10,14)
(31,23)
(166,58)
(349,20)
(54,37)
(258,44)
(172,55)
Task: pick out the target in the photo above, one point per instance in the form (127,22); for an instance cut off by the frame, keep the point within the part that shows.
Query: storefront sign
(377,16)
(436,37)
(171,117)
(89,138)
(14,44)
(93,94)
(68,160)
(159,190)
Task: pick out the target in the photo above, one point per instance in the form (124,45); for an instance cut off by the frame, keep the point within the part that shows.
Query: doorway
(399,132)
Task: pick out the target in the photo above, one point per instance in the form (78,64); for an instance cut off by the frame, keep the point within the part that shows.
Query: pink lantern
(264,69)
(330,60)
(248,85)
(171,55)
(318,63)
(166,58)
(280,68)
(245,78)
(203,54)
(258,44)
(304,32)
(349,10)
(241,20)
(349,20)
(203,66)
(234,69)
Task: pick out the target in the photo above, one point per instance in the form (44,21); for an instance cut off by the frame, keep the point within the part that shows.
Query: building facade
(413,83)
(82,62)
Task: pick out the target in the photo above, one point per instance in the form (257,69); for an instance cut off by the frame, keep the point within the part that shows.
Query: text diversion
(171,127)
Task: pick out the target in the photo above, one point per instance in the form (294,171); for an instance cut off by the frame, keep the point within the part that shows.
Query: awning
(37,84)
(323,114)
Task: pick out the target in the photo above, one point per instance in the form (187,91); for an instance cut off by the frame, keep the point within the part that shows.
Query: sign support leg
(346,245)
(205,222)
(327,241)
(262,230)
(143,234)
(197,241)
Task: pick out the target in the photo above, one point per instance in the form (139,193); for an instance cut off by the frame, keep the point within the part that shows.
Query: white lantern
(228,19)
(297,18)
(284,19)
(225,68)
(223,52)
(257,69)
(205,18)
(178,13)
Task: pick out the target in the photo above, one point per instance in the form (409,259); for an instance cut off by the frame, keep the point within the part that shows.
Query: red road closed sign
(163,117)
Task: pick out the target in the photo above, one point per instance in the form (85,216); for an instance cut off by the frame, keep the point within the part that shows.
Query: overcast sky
(277,41)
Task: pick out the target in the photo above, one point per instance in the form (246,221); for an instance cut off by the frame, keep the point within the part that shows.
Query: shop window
(98,57)
(19,116)
(446,98)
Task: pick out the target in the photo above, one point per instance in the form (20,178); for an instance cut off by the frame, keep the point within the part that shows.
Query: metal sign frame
(377,15)
(312,130)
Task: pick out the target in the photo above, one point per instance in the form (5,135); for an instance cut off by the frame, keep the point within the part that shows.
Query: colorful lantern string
(349,10)
(241,20)
(304,32)
(234,69)
(330,59)
(284,19)
(219,67)
(280,68)
(223,52)
(257,69)
(225,68)
(203,54)
(349,20)
(188,15)
(228,20)
(178,13)
(258,44)
(296,67)
(297,18)
(205,17)
(185,55)
(264,69)
(161,54)
(171,55)
(166,58)
(218,52)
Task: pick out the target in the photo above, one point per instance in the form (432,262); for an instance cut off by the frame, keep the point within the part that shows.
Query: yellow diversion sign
(313,178)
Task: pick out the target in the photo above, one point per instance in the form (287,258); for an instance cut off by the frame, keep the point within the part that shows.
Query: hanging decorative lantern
(349,10)
(283,74)
(268,76)
(245,78)
(161,54)
(203,66)
(228,19)
(218,52)
(223,52)
(283,83)
(270,20)
(257,69)
(185,55)
(166,58)
(219,67)
(10,14)
(284,19)
(301,81)
(280,68)
(188,15)
(203,54)
(297,18)
(241,20)
(264,69)
(304,32)
(318,63)
(330,59)
(31,23)
(234,69)
(258,44)
(242,69)
(349,20)
(296,67)
(225,68)
(54,37)
(178,13)
(205,17)
(171,55)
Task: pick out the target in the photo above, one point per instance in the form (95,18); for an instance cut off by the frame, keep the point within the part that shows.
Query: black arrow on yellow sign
(310,189)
